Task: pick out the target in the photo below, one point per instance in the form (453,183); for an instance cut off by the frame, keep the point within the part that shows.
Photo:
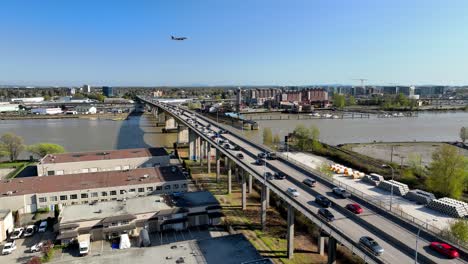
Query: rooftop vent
(145,176)
(98,211)
(9,193)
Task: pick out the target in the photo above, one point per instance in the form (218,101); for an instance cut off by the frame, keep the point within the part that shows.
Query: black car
(323,201)
(280,176)
(222,131)
(268,175)
(240,155)
(227,146)
(309,182)
(259,162)
(237,148)
(261,155)
(271,155)
(326,214)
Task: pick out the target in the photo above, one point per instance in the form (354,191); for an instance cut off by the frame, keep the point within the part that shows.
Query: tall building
(86,88)
(238,99)
(108,91)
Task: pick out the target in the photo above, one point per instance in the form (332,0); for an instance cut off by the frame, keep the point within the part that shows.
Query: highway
(398,242)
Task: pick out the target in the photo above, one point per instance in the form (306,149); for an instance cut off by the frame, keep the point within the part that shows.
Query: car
(325,213)
(237,148)
(261,155)
(293,192)
(9,247)
(36,247)
(259,162)
(372,245)
(240,155)
(271,155)
(17,233)
(279,175)
(42,227)
(309,182)
(268,175)
(323,201)
(223,131)
(445,249)
(29,231)
(227,146)
(341,192)
(355,208)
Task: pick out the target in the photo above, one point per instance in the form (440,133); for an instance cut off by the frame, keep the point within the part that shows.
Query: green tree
(12,144)
(463,134)
(459,229)
(267,136)
(276,139)
(351,100)
(314,137)
(301,136)
(42,149)
(415,163)
(448,172)
(401,100)
(338,100)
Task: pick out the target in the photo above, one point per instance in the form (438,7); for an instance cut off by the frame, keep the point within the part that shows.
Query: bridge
(399,237)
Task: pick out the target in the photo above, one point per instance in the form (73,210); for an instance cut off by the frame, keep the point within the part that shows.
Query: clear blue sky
(236,42)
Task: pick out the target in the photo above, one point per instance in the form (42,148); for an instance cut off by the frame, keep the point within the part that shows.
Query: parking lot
(22,253)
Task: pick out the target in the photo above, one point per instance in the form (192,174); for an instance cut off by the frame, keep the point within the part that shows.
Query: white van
(42,227)
(83,242)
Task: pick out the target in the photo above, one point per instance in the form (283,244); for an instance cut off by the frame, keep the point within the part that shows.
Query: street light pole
(391,188)
(417,240)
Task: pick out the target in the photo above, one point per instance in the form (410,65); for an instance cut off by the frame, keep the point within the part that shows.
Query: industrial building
(86,109)
(26,195)
(28,100)
(6,223)
(106,220)
(47,111)
(6,107)
(96,161)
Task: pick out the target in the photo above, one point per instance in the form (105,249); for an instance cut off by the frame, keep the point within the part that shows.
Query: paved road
(349,224)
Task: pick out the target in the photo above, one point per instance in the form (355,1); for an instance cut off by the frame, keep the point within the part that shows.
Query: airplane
(176,38)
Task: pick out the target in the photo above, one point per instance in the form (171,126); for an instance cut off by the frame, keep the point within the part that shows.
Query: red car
(445,249)
(355,208)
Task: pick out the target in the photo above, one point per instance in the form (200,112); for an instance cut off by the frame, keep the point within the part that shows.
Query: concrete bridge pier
(161,118)
(182,134)
(244,191)
(290,228)
(208,156)
(250,184)
(267,197)
(331,250)
(198,149)
(263,209)
(229,176)
(321,245)
(170,123)
(202,150)
(218,164)
(192,145)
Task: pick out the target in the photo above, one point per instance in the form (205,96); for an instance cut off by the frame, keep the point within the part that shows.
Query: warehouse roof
(69,182)
(103,155)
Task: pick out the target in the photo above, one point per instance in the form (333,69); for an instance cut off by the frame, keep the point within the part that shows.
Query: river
(140,131)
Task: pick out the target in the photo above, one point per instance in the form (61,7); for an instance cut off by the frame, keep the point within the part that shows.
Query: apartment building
(26,195)
(97,161)
(155,213)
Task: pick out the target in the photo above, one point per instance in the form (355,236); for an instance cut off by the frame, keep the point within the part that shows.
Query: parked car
(371,244)
(323,201)
(9,247)
(259,162)
(326,214)
(17,233)
(445,249)
(309,182)
(240,155)
(42,227)
(268,175)
(279,175)
(293,192)
(355,208)
(341,192)
(29,231)
(36,247)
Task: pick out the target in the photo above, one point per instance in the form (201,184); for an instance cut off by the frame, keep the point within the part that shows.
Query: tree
(463,134)
(459,229)
(12,144)
(42,149)
(351,100)
(301,136)
(315,134)
(415,163)
(448,172)
(276,139)
(267,136)
(401,100)
(338,100)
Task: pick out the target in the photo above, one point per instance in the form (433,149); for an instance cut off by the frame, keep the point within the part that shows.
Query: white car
(293,192)
(36,247)
(42,227)
(9,247)
(17,233)
(30,229)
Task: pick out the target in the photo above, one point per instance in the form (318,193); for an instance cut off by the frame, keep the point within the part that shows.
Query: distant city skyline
(233,43)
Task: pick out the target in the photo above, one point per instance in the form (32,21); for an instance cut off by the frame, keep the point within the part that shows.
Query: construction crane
(362,81)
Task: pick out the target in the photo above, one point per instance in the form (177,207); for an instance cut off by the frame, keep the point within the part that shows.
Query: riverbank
(107,116)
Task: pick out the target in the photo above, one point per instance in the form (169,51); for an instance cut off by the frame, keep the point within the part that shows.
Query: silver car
(371,244)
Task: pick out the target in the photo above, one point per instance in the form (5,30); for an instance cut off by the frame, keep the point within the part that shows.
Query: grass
(12,164)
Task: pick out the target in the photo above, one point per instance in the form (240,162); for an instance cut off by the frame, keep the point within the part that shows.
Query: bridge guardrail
(330,229)
(424,225)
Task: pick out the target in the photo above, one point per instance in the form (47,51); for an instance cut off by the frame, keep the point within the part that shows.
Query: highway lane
(349,226)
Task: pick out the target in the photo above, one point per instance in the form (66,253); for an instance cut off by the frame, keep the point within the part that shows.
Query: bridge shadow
(131,133)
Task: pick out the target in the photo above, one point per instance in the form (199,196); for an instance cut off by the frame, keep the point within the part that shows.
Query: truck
(83,244)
